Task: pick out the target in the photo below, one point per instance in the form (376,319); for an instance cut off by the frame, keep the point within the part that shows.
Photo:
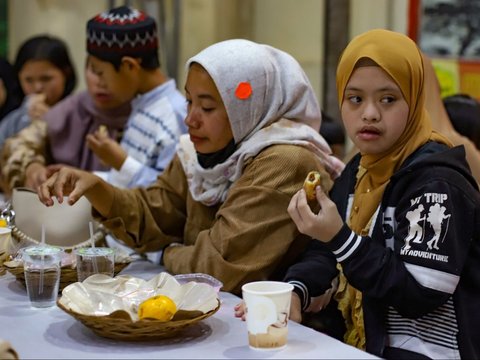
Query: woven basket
(118,325)
(68,275)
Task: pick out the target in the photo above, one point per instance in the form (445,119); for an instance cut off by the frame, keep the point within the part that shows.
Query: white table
(53,334)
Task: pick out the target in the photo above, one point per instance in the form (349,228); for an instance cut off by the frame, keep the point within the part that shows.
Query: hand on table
(322,226)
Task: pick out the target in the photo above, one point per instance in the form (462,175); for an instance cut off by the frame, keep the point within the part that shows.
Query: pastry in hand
(103,131)
(311,182)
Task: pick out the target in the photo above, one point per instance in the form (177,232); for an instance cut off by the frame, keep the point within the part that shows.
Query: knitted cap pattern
(122,31)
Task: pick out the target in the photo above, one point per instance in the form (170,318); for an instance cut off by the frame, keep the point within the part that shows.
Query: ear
(131,63)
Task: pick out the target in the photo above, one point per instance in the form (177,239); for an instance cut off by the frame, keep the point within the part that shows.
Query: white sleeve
(124,176)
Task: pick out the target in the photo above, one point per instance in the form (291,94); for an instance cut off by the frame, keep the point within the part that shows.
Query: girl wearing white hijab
(221,206)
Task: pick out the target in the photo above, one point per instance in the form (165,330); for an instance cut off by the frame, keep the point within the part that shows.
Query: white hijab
(281,109)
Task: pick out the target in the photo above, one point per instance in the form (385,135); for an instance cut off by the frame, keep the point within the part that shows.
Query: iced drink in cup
(42,268)
(267,309)
(94,260)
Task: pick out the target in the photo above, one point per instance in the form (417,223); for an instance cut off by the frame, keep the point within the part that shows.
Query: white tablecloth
(51,333)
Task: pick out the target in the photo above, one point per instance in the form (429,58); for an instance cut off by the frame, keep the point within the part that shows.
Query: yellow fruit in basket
(159,307)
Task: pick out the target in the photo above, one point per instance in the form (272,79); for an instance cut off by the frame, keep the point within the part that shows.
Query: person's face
(207,118)
(42,77)
(103,97)
(108,87)
(374,111)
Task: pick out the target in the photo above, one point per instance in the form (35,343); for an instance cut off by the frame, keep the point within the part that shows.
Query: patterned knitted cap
(122,31)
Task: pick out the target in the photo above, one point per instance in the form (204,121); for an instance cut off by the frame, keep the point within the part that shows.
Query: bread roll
(311,182)
(103,130)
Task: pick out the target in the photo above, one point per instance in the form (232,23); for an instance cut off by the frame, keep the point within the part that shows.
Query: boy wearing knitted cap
(122,48)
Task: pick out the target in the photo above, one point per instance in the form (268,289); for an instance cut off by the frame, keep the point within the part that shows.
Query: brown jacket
(248,237)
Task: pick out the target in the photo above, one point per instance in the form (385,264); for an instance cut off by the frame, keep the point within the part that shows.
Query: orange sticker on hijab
(243,91)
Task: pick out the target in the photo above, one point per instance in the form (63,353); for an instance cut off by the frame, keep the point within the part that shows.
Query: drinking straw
(40,291)
(43,235)
(92,242)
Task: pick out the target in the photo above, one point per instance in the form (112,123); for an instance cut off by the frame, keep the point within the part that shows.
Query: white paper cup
(42,269)
(94,260)
(267,309)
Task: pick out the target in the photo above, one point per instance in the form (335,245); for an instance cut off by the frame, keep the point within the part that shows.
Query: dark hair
(464,113)
(148,61)
(332,130)
(12,86)
(52,49)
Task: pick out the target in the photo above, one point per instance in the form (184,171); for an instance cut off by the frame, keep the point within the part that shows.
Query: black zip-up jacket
(419,268)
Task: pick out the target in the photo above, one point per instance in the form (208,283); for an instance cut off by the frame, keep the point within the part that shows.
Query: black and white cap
(122,31)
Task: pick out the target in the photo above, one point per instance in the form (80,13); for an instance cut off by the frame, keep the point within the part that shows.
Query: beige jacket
(19,151)
(248,237)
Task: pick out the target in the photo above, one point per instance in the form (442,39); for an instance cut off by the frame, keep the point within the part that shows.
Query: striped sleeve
(344,249)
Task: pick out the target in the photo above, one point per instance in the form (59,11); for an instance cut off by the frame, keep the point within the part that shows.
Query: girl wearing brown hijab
(402,219)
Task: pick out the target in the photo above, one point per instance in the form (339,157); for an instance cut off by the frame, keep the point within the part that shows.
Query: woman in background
(46,75)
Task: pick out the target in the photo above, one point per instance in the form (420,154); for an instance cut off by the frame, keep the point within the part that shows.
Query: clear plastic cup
(94,260)
(42,269)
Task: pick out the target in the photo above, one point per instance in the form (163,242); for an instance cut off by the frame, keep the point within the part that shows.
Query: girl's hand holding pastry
(322,226)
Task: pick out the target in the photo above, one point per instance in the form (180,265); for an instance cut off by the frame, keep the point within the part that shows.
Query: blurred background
(313,31)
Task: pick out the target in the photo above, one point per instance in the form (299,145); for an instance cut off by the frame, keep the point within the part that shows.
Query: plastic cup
(267,309)
(5,243)
(94,260)
(42,269)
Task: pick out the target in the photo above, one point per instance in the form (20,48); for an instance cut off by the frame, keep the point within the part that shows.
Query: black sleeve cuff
(301,290)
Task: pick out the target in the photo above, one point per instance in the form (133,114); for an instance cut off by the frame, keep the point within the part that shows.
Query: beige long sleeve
(28,146)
